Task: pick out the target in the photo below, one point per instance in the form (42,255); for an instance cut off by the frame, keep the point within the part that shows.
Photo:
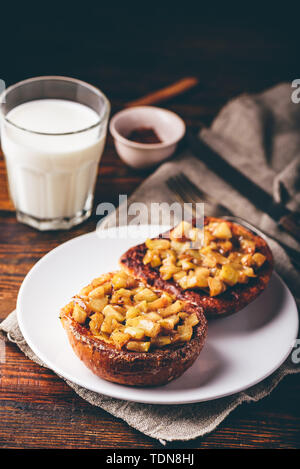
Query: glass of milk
(53,131)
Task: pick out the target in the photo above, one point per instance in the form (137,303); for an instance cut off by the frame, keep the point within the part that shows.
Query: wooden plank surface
(37,409)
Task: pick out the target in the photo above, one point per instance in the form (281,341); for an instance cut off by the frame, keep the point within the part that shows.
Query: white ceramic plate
(240,351)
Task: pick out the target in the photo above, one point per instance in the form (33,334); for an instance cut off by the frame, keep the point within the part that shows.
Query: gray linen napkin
(260,135)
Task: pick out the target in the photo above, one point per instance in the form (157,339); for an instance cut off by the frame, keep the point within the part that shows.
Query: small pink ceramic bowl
(168,126)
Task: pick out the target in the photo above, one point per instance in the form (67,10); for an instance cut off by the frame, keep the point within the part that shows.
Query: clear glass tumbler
(53,131)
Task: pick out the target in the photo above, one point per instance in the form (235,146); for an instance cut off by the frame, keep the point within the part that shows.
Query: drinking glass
(52,175)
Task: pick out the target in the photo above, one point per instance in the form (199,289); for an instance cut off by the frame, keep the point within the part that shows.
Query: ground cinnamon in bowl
(144,135)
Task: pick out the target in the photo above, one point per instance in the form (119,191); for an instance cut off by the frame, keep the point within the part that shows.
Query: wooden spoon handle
(168,92)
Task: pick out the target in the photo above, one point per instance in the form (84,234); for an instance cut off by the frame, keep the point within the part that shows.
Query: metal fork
(186,191)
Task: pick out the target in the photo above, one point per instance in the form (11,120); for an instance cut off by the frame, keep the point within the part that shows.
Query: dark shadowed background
(128,51)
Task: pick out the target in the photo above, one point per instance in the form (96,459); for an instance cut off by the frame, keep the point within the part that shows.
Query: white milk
(52,176)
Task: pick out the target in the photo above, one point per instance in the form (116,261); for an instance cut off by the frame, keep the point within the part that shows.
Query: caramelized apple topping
(121,311)
(210,258)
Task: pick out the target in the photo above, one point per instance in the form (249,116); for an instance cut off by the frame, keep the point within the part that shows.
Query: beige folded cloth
(260,135)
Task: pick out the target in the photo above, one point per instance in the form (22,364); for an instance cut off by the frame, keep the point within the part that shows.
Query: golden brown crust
(135,368)
(229,302)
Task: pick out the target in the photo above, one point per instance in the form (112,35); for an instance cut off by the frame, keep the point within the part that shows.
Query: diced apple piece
(96,323)
(152,257)
(145,294)
(216,286)
(174,308)
(123,295)
(189,281)
(181,230)
(186,265)
(208,238)
(109,324)
(185,333)
(203,271)
(202,275)
(222,231)
(209,249)
(249,272)
(161,341)
(97,292)
(247,260)
(258,259)
(135,332)
(167,271)
(97,304)
(156,261)
(119,280)
(180,247)
(183,282)
(120,309)
(143,306)
(119,338)
(168,256)
(104,278)
(138,346)
(224,246)
(161,302)
(243,278)
(110,311)
(170,322)
(191,320)
(183,315)
(150,328)
(179,275)
(229,275)
(153,316)
(79,314)
(132,312)
(247,245)
(219,258)
(235,257)
(159,244)
(197,237)
(133,322)
(147,257)
(193,254)
(208,260)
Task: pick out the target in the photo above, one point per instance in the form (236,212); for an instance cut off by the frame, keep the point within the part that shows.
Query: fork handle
(291,224)
(293,254)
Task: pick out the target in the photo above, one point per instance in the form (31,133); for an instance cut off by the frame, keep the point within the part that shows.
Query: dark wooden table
(128,56)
